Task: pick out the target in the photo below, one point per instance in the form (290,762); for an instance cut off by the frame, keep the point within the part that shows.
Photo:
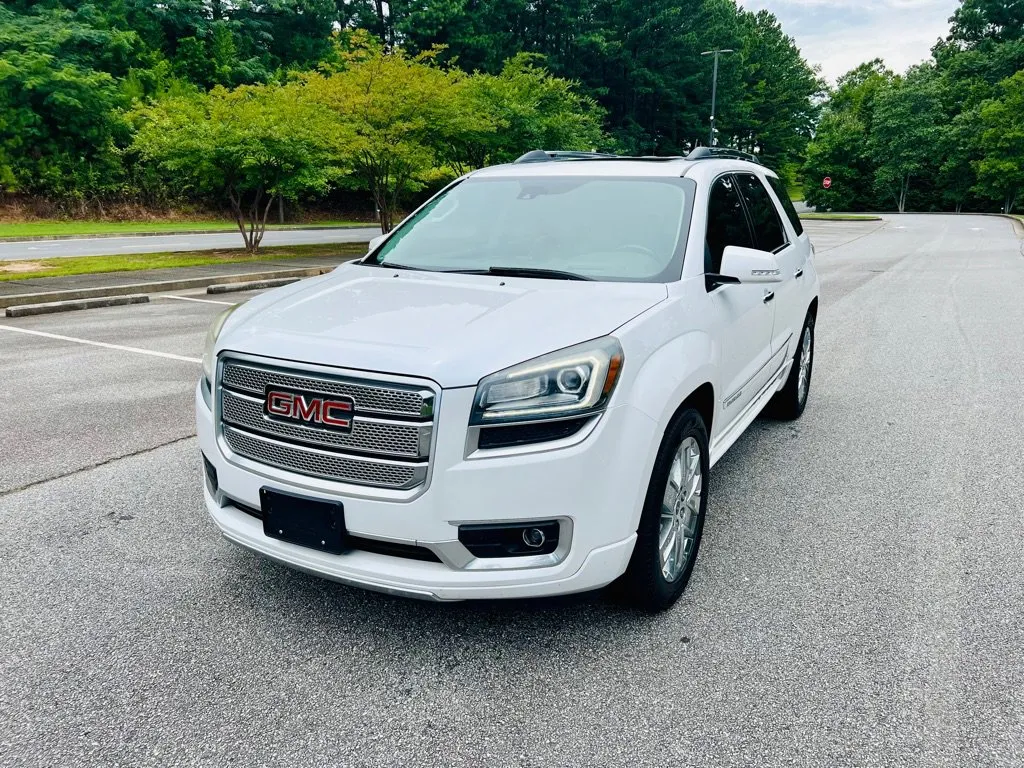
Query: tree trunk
(904,188)
(239,214)
(280,210)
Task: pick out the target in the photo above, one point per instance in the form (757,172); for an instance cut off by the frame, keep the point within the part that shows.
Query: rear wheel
(790,401)
(672,521)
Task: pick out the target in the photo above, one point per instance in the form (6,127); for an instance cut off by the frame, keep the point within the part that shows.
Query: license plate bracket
(312,523)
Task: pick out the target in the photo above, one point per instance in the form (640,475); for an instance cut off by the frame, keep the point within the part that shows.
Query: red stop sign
(826,182)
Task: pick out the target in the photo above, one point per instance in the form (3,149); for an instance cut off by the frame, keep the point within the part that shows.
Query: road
(858,601)
(105,246)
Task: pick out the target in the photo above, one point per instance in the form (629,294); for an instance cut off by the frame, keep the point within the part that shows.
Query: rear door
(745,317)
(795,294)
(771,235)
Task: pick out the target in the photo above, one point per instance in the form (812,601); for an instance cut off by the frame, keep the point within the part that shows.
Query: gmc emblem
(323,410)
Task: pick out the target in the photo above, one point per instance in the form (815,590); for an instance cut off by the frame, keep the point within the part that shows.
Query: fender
(667,378)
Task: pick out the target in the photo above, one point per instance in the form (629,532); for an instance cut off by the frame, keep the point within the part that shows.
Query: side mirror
(748,265)
(374,242)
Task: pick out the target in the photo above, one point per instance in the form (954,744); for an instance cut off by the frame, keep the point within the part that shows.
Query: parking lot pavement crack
(95,465)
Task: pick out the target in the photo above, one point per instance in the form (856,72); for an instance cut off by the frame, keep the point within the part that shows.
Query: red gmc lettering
(327,413)
(306,411)
(279,403)
(334,413)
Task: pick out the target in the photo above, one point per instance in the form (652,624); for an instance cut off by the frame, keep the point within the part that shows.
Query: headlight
(209,358)
(571,382)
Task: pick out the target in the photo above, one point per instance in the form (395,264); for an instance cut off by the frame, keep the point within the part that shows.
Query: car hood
(453,329)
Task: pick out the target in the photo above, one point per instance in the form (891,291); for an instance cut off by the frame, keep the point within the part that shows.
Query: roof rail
(721,153)
(547,156)
(544,156)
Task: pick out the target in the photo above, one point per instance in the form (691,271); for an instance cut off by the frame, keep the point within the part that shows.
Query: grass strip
(87,265)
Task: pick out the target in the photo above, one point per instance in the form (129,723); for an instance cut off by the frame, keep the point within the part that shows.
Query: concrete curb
(25,310)
(108,235)
(253,285)
(20,299)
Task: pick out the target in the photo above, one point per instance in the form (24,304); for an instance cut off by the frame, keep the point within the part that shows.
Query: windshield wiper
(539,272)
(547,274)
(389,265)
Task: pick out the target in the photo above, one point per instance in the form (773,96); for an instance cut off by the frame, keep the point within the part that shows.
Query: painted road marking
(105,345)
(201,301)
(161,245)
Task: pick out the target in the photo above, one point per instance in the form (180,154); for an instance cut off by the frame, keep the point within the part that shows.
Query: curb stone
(26,310)
(253,285)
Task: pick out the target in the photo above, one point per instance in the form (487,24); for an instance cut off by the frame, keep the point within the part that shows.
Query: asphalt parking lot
(858,601)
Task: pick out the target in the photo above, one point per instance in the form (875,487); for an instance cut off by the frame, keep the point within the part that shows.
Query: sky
(840,34)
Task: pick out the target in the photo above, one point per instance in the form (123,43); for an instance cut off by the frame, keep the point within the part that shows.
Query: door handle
(799,272)
(768,296)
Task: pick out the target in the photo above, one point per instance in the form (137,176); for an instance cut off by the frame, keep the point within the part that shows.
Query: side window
(787,204)
(727,224)
(763,214)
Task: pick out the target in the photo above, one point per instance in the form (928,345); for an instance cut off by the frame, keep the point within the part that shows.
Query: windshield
(614,229)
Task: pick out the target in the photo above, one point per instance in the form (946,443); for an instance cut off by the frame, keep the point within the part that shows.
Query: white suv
(521,390)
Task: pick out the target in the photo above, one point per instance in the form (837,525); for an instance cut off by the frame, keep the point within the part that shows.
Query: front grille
(388,449)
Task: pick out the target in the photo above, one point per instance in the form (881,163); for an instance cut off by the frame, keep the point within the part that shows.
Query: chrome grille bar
(394,400)
(318,463)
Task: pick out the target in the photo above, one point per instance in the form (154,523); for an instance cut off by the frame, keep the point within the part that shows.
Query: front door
(746,317)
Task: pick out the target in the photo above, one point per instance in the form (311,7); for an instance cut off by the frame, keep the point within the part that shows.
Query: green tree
(1001,170)
(522,108)
(249,146)
(840,146)
(905,131)
(958,150)
(59,98)
(780,92)
(395,116)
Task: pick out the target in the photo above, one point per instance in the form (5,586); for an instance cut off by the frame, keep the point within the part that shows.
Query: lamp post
(714,88)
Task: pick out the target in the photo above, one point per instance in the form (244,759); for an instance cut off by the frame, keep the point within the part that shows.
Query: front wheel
(790,401)
(672,521)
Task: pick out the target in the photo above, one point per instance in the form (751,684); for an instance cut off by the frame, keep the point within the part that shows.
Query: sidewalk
(205,271)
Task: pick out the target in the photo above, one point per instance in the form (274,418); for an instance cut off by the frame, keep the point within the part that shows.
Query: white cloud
(840,34)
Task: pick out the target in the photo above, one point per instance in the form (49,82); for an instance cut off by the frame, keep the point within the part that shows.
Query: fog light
(539,537)
(533,537)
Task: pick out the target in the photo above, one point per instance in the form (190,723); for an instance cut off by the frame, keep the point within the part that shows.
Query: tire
(791,400)
(652,583)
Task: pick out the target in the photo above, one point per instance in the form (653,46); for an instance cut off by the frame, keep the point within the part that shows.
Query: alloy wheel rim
(805,366)
(680,510)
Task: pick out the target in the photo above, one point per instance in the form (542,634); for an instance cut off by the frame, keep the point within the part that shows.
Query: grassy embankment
(84,265)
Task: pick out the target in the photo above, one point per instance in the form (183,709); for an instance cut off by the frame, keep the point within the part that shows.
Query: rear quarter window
(787,205)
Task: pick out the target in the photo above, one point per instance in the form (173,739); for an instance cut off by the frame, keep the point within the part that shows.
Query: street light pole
(714,88)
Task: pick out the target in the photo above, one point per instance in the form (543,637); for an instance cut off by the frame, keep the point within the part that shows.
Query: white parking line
(201,301)
(136,350)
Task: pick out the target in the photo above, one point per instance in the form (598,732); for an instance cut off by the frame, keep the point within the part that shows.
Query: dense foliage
(505,76)
(946,135)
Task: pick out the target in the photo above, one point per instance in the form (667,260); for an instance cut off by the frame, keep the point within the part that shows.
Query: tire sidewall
(808,328)
(651,589)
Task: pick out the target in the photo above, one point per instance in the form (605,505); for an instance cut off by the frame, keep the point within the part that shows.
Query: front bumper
(596,487)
